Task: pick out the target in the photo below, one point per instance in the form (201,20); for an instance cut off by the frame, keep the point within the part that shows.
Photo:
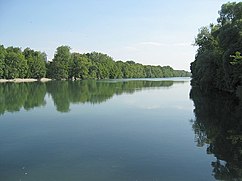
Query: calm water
(131,130)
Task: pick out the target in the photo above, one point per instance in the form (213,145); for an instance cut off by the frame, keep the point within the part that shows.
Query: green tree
(15,64)
(104,64)
(217,44)
(65,65)
(2,60)
(36,63)
(61,63)
(79,66)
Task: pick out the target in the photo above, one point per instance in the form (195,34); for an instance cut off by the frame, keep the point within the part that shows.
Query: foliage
(2,60)
(66,65)
(217,62)
(36,63)
(15,64)
(79,66)
(60,64)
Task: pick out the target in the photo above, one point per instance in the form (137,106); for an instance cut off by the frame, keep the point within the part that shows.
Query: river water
(132,130)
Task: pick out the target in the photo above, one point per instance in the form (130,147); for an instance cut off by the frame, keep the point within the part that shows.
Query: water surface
(106,130)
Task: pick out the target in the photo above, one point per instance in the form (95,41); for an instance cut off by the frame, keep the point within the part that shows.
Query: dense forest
(218,62)
(15,63)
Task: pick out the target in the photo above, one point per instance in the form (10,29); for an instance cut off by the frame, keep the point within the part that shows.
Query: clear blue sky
(152,32)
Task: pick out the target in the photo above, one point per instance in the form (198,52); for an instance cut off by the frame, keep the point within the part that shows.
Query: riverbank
(24,80)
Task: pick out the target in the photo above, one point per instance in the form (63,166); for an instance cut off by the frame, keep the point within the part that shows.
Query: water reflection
(218,124)
(14,96)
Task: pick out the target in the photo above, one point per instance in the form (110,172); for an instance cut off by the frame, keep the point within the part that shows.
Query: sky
(151,32)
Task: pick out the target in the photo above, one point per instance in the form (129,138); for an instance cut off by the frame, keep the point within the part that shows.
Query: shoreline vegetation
(30,65)
(218,62)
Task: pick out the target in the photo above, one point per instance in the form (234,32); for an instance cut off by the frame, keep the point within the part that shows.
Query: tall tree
(217,44)
(36,63)
(15,64)
(61,63)
(2,59)
(79,67)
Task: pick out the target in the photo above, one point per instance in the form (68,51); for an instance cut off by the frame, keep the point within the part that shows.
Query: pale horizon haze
(153,32)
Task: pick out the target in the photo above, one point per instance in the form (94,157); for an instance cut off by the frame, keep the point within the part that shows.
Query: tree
(15,64)
(229,12)
(2,59)
(79,66)
(36,63)
(217,44)
(106,66)
(65,65)
(61,63)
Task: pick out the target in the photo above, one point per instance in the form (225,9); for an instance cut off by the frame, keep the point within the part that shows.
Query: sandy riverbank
(24,80)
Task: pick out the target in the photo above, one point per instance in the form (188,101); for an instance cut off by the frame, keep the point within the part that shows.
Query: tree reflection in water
(14,96)
(218,124)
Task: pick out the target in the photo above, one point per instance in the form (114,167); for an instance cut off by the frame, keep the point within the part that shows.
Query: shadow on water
(15,96)
(218,125)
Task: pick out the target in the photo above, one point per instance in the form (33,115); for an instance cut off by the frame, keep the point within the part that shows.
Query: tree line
(218,62)
(15,63)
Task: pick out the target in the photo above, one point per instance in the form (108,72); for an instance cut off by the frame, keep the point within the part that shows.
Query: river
(132,130)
